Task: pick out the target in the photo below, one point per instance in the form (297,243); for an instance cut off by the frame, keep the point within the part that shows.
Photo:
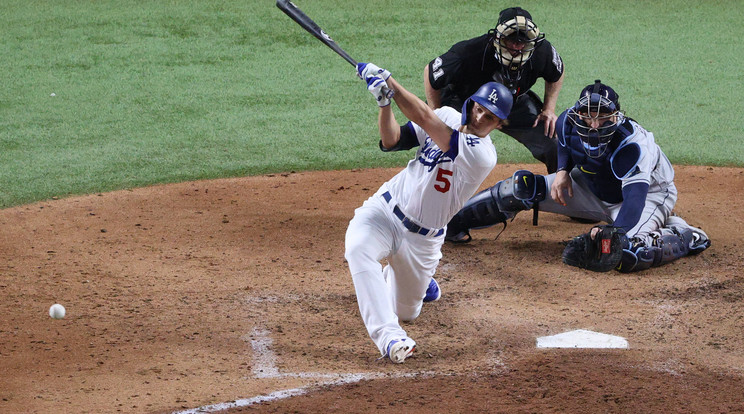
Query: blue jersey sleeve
(564,151)
(407,140)
(634,199)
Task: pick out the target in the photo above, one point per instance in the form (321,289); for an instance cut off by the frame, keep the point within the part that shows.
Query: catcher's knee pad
(520,192)
(668,245)
(638,257)
(479,212)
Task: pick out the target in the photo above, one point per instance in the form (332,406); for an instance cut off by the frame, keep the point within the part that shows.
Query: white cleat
(400,349)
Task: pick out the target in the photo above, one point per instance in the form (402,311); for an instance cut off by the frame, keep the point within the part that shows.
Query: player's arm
(433,96)
(562,186)
(390,132)
(389,128)
(379,82)
(550,100)
(634,200)
(420,113)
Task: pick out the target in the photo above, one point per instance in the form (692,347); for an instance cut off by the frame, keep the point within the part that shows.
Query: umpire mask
(515,37)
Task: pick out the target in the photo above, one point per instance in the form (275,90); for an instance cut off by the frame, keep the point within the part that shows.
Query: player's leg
(525,110)
(583,205)
(699,240)
(410,271)
(522,191)
(661,237)
(369,238)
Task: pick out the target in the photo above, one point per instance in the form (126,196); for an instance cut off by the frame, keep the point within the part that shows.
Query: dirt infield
(233,295)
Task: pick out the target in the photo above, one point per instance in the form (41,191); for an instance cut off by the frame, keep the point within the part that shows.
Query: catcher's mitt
(601,254)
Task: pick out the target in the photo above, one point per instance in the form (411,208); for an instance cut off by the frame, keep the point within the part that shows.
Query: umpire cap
(512,13)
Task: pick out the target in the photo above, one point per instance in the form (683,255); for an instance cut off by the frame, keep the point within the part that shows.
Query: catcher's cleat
(400,349)
(433,293)
(699,243)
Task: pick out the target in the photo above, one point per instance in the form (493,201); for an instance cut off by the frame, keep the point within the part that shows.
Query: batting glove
(379,89)
(364,70)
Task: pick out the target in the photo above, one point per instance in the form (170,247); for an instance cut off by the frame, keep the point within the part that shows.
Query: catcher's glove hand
(600,254)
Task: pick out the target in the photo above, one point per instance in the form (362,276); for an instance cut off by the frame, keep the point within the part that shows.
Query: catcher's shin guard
(668,245)
(497,204)
(479,212)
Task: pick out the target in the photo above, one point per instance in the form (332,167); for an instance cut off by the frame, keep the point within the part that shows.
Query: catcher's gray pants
(656,215)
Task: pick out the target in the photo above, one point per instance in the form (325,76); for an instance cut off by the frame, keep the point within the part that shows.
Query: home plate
(581,338)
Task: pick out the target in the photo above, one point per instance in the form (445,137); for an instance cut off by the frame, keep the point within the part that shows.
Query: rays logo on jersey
(636,171)
(431,156)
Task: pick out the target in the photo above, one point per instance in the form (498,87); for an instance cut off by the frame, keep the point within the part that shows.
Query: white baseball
(57,311)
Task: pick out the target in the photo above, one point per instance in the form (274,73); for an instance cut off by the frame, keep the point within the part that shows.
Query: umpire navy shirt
(467,65)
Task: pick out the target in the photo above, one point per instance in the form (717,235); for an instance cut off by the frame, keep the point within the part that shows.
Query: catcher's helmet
(492,96)
(515,24)
(596,116)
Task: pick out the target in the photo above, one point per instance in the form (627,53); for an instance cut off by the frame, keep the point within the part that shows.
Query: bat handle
(389,93)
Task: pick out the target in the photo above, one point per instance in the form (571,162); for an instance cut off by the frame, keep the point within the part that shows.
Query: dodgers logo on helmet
(494,96)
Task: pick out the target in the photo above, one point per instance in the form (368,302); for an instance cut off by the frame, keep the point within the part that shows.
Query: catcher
(609,169)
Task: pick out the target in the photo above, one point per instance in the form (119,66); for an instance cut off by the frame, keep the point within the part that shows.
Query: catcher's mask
(515,25)
(492,96)
(596,116)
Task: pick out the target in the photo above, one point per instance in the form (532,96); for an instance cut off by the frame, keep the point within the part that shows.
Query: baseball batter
(609,169)
(404,220)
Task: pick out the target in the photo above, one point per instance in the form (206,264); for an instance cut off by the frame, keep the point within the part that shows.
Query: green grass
(165,91)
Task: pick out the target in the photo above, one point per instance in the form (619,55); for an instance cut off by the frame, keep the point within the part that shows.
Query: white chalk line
(282,394)
(264,360)
(264,366)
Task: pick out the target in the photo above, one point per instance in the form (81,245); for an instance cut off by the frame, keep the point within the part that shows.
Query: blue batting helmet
(596,116)
(493,96)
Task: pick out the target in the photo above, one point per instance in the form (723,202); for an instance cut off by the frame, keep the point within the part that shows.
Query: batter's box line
(264,366)
(294,392)
(264,360)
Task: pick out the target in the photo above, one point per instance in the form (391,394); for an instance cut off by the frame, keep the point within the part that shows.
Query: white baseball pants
(395,292)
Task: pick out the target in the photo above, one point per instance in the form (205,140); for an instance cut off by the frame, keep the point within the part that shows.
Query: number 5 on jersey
(443,182)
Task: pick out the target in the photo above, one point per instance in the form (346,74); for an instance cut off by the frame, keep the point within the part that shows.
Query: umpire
(514,54)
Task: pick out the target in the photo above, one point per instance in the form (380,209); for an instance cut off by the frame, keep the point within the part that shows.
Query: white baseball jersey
(435,185)
(427,193)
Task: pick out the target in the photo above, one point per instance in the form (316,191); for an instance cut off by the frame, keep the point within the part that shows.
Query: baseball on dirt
(57,311)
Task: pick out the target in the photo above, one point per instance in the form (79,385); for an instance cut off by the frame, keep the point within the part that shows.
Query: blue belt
(407,223)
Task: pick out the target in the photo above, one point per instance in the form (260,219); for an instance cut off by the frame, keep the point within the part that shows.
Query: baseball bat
(294,12)
(308,24)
